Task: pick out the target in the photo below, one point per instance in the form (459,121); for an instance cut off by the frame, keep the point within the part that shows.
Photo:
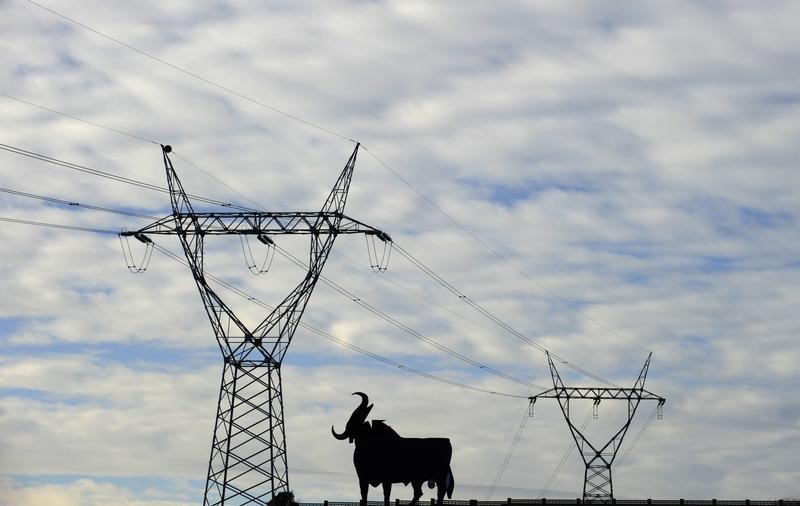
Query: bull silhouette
(383,457)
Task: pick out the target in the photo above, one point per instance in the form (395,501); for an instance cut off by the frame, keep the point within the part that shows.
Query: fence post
(508,501)
(472,502)
(397,501)
(714,502)
(649,501)
(325,503)
(747,502)
(681,501)
(544,500)
(432,502)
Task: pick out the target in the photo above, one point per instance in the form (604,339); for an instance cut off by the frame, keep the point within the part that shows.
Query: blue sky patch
(509,195)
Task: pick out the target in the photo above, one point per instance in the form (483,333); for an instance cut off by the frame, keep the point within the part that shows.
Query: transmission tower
(597,484)
(248,463)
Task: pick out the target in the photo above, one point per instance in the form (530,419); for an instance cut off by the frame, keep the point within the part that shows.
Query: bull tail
(450,483)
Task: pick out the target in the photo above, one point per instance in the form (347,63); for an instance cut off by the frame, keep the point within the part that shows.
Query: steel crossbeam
(598,393)
(254,223)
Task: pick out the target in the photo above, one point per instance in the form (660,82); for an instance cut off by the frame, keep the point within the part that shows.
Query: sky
(607,179)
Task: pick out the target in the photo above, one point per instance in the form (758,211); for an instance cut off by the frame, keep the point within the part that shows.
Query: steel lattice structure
(248,463)
(597,484)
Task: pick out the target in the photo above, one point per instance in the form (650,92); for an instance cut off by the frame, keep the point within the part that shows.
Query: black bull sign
(383,457)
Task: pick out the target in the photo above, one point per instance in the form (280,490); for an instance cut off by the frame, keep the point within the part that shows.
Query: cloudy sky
(606,179)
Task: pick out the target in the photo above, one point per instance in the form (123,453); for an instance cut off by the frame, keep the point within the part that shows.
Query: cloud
(636,161)
(83,492)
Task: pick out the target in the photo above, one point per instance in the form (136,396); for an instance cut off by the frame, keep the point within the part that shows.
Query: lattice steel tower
(597,484)
(248,453)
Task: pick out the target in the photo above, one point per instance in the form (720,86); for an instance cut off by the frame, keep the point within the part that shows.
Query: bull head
(356,421)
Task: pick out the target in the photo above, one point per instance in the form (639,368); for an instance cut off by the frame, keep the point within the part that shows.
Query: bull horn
(360,414)
(364,399)
(356,419)
(340,437)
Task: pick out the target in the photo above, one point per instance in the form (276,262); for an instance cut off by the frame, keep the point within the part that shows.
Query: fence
(571,502)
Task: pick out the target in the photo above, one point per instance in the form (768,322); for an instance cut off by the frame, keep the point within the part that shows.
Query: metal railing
(570,502)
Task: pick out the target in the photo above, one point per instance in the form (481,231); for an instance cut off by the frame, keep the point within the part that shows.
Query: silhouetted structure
(579,502)
(285,498)
(597,485)
(382,457)
(248,452)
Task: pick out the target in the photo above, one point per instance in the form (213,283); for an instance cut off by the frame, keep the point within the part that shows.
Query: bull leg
(440,490)
(364,485)
(417,485)
(387,491)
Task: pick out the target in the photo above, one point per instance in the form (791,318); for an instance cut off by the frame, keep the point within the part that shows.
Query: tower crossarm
(598,393)
(258,223)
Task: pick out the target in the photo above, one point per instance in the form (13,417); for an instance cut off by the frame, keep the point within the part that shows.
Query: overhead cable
(342,342)
(109,175)
(428,200)
(403,252)
(448,286)
(499,255)
(335,286)
(192,74)
(421,297)
(567,453)
(311,328)
(422,337)
(638,436)
(507,459)
(76,118)
(55,225)
(76,204)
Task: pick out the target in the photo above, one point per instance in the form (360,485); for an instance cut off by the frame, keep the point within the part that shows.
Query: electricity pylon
(248,452)
(597,484)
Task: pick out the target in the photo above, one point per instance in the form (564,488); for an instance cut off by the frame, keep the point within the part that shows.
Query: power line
(570,448)
(192,74)
(335,286)
(255,300)
(75,204)
(522,337)
(422,297)
(402,326)
(109,175)
(55,225)
(330,337)
(427,199)
(218,180)
(76,118)
(406,254)
(513,424)
(638,436)
(499,255)
(507,459)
